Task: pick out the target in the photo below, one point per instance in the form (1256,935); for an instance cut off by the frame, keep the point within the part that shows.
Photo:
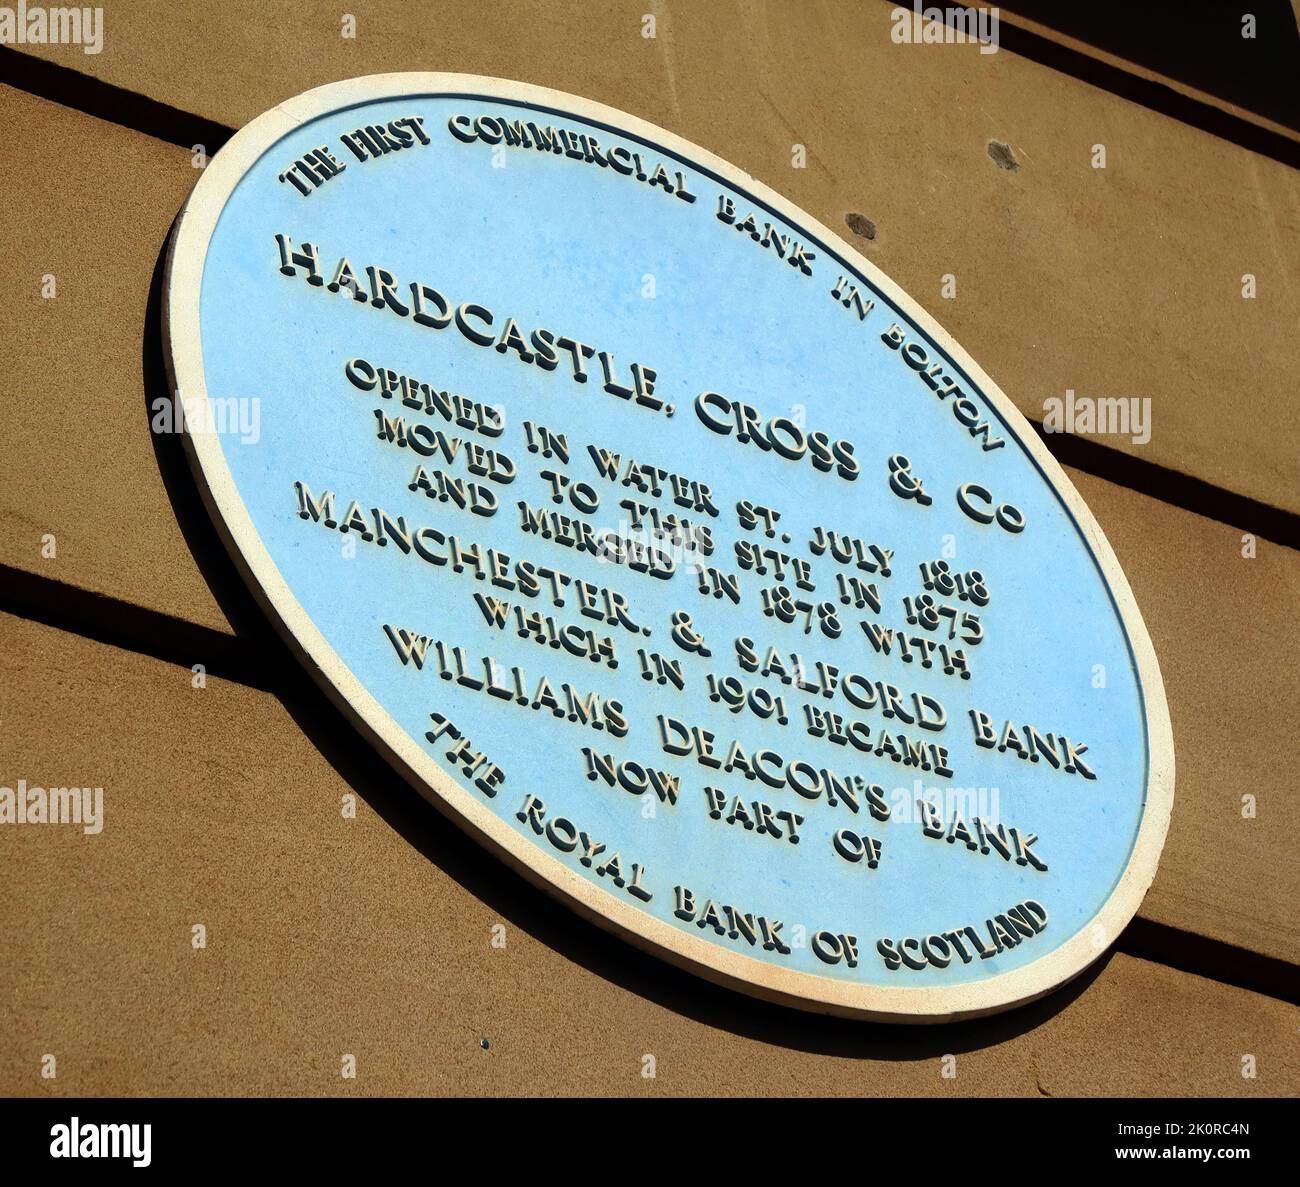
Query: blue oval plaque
(670,548)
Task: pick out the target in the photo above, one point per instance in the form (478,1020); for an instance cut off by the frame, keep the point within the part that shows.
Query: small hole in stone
(1002,155)
(484,1044)
(860,224)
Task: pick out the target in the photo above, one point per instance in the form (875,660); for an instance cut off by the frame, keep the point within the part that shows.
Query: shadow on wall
(1204,44)
(440,841)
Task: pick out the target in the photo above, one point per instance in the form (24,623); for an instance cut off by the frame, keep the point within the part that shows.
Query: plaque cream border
(186,256)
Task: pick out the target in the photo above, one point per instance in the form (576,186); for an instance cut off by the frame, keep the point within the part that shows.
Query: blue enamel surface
(556,243)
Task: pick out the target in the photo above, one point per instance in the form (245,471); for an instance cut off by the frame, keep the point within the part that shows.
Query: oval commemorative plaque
(665,544)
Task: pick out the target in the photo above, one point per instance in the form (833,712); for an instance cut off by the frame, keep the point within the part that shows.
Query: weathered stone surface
(1218,619)
(100,493)
(90,205)
(373,937)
